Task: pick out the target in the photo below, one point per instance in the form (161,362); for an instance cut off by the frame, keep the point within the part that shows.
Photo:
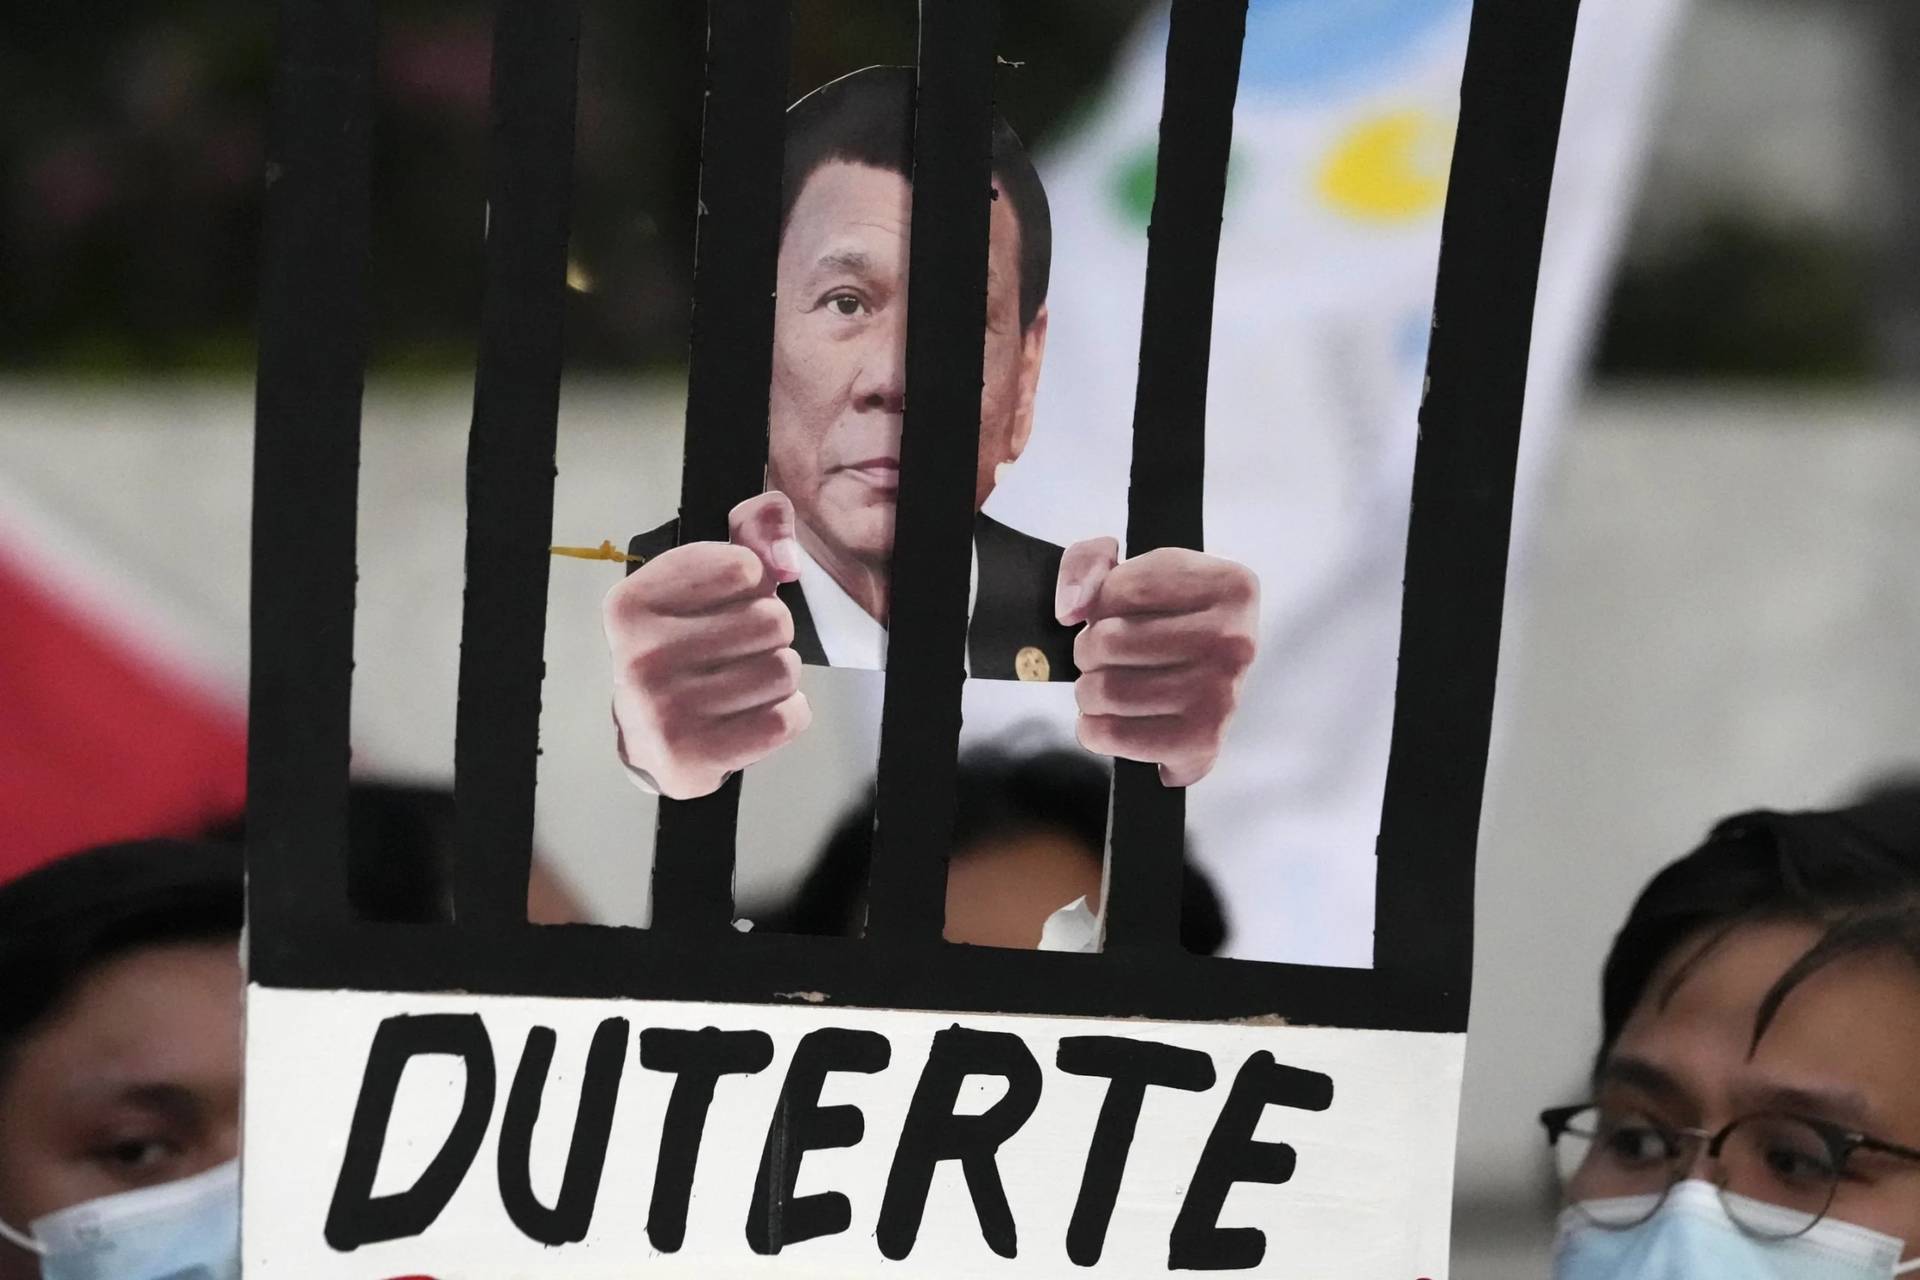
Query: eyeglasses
(1777,1173)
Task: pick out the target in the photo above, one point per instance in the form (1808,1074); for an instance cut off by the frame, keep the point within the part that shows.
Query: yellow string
(605,551)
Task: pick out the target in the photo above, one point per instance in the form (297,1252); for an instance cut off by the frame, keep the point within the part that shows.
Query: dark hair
(64,919)
(867,118)
(998,795)
(400,842)
(1855,870)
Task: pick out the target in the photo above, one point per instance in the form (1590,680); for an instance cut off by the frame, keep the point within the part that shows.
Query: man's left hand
(1169,637)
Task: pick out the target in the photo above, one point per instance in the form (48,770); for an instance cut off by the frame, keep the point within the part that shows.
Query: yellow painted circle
(1390,168)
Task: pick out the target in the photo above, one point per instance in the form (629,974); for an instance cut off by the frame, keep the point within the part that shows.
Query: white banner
(1343,141)
(1272,1150)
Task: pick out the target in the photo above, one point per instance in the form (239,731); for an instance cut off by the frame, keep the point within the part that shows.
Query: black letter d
(357,1216)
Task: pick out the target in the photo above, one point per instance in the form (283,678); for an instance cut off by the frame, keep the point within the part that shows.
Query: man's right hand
(705,678)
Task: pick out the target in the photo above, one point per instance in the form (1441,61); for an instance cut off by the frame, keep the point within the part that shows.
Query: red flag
(100,737)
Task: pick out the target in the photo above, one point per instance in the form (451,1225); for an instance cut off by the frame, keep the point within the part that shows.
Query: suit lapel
(996,605)
(1013,609)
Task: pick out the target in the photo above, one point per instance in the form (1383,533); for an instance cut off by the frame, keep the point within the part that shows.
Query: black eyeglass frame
(1841,1144)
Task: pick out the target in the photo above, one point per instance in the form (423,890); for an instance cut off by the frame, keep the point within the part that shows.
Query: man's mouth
(880,472)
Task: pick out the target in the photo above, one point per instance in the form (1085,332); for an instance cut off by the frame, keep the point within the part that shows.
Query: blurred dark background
(131,135)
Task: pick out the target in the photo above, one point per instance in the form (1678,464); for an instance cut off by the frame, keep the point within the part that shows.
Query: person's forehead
(1699,1008)
(156,1014)
(1726,969)
(843,200)
(1850,1028)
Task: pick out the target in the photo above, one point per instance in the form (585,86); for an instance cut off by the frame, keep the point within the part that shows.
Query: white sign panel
(452,1136)
(469,1096)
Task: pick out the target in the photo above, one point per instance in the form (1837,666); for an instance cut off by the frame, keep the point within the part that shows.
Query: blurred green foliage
(131,137)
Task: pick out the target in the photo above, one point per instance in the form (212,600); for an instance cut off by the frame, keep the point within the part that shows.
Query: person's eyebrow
(175,1102)
(1840,1105)
(856,261)
(1638,1073)
(171,1099)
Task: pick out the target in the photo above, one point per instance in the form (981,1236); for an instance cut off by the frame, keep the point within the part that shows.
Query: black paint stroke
(697,1060)
(601,963)
(1510,107)
(939,458)
(776,1217)
(730,367)
(510,456)
(934,1133)
(356,1216)
(1131,1066)
(1147,833)
(306,464)
(571,1214)
(1198,1242)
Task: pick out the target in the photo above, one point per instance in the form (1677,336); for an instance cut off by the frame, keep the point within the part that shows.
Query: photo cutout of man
(707,639)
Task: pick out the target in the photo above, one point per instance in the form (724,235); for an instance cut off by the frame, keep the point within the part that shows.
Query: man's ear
(1033,349)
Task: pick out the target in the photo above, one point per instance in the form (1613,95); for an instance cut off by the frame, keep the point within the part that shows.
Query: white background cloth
(1327,263)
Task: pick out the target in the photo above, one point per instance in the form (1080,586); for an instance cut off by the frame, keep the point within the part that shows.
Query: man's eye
(1791,1153)
(845,304)
(1636,1144)
(138,1155)
(1790,1164)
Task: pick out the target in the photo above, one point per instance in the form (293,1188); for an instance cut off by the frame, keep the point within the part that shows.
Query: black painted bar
(940,445)
(1510,107)
(598,962)
(1164,509)
(749,51)
(510,456)
(313,345)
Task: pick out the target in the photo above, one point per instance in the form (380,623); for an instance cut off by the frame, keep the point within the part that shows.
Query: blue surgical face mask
(184,1230)
(1692,1237)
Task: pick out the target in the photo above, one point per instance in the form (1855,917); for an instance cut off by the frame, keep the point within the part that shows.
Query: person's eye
(138,1158)
(1792,1164)
(848,305)
(1636,1143)
(1789,1153)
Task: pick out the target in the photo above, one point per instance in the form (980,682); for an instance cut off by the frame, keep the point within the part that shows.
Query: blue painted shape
(1307,48)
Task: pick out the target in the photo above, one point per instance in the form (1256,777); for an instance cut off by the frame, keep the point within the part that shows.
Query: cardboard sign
(482,1097)
(529,1136)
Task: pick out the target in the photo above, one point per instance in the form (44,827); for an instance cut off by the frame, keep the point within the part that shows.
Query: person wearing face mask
(120,1065)
(1756,1101)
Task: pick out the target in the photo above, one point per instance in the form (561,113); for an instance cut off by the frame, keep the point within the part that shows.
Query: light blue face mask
(1692,1238)
(185,1230)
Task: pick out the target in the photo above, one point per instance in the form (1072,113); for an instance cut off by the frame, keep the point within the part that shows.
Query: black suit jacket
(1012,609)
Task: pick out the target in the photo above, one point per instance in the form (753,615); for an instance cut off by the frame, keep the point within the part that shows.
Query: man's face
(1842,1049)
(839,360)
(134,1082)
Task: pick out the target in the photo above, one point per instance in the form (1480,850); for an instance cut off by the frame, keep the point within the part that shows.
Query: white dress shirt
(849,635)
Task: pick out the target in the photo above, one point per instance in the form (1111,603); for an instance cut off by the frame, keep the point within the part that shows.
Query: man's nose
(1695,1162)
(881,384)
